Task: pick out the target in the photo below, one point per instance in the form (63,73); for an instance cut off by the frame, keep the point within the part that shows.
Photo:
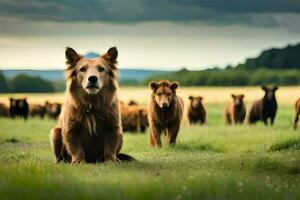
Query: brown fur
(89,127)
(4,111)
(164,112)
(235,111)
(196,111)
(265,108)
(134,118)
(53,110)
(37,110)
(297,113)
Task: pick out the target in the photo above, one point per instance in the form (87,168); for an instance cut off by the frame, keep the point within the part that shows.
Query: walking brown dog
(164,111)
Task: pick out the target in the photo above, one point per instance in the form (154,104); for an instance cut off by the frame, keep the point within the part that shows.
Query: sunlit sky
(149,34)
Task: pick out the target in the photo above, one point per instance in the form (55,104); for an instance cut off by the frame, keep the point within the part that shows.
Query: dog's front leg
(74,147)
(111,147)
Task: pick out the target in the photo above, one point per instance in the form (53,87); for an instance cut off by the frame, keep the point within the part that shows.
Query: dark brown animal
(4,111)
(235,111)
(196,110)
(297,113)
(164,112)
(53,109)
(37,110)
(19,108)
(89,127)
(265,108)
(134,118)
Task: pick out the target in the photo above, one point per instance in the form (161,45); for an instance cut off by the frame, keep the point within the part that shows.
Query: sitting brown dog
(196,111)
(235,111)
(89,127)
(164,111)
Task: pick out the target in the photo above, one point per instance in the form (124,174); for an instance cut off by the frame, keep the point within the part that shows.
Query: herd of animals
(21,108)
(92,119)
(135,117)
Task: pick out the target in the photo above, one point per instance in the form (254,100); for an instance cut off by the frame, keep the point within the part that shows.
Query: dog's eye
(82,69)
(100,69)
(159,94)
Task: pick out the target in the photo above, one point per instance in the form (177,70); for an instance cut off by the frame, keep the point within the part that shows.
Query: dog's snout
(165,105)
(93,79)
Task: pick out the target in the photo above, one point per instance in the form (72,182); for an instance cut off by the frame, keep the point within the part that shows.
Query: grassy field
(214,161)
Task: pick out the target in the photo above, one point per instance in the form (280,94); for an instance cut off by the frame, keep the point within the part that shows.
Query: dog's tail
(125,157)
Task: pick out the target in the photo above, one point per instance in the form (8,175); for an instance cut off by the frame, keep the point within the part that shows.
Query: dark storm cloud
(144,10)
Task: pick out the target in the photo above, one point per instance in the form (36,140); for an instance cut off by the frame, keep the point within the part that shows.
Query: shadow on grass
(292,144)
(197,147)
(11,140)
(270,165)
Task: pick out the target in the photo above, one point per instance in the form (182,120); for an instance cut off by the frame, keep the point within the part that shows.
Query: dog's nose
(165,105)
(93,79)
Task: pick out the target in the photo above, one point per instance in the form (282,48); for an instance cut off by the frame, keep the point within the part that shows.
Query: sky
(151,34)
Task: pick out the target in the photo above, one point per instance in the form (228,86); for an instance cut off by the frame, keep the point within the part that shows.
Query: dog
(165,112)
(89,127)
(196,110)
(235,111)
(19,108)
(264,108)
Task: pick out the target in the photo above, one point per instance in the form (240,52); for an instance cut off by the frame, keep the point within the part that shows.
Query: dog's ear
(111,55)
(71,56)
(233,96)
(174,85)
(275,88)
(191,97)
(153,85)
(264,88)
(242,95)
(200,98)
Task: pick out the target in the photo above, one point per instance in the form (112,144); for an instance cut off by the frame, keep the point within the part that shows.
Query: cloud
(144,10)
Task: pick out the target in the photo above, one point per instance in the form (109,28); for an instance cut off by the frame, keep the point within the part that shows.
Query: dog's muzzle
(92,84)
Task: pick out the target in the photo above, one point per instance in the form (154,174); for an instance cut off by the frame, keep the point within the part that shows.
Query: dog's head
(238,99)
(269,92)
(163,92)
(91,74)
(195,101)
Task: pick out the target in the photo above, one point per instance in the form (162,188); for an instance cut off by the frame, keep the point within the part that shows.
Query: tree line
(232,77)
(24,83)
(211,77)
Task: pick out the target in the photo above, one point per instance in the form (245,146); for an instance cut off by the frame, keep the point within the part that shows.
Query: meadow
(214,161)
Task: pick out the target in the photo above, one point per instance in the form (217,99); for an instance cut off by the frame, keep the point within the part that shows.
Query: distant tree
(25,83)
(3,83)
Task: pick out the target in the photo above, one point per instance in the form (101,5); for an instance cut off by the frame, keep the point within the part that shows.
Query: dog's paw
(78,161)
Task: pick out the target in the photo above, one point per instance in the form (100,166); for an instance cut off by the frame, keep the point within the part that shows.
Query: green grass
(210,162)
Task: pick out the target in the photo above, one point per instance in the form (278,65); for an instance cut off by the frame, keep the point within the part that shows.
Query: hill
(275,66)
(275,58)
